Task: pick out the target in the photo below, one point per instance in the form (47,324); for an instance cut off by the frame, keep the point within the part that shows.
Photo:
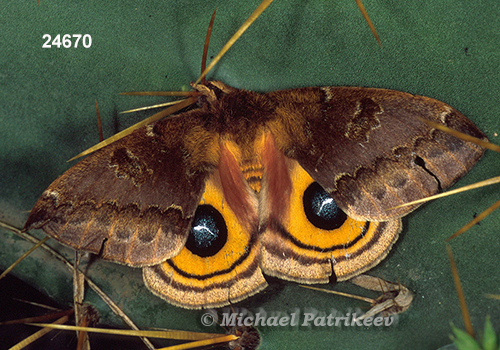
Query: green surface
(448,50)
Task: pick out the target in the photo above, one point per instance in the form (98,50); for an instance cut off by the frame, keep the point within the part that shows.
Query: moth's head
(213,90)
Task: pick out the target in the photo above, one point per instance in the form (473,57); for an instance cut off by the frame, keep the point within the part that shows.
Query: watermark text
(297,318)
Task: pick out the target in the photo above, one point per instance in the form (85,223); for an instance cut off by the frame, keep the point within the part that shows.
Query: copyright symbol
(207,319)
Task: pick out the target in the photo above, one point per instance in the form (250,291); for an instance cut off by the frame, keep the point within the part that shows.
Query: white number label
(66,41)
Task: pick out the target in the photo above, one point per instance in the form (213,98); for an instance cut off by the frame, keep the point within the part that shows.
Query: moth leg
(395,297)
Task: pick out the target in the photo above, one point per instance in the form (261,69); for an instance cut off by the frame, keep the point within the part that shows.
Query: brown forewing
(133,200)
(366,147)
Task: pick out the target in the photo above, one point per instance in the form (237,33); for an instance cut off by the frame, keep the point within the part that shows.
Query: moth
(293,183)
(300,184)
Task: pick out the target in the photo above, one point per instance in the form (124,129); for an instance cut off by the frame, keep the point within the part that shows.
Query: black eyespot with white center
(208,232)
(320,208)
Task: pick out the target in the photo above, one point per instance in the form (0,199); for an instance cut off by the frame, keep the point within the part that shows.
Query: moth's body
(261,161)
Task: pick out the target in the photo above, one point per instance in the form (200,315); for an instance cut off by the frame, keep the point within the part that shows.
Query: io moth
(294,183)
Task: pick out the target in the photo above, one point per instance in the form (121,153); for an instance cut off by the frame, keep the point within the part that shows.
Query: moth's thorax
(239,113)
(239,117)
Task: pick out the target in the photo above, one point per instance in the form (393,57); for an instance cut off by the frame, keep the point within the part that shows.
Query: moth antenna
(258,11)
(99,123)
(367,19)
(171,103)
(475,220)
(352,296)
(460,293)
(153,118)
(205,47)
(21,258)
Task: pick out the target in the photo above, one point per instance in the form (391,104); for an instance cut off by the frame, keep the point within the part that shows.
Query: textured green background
(445,49)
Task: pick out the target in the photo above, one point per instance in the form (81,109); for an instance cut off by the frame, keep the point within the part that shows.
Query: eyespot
(208,232)
(320,208)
